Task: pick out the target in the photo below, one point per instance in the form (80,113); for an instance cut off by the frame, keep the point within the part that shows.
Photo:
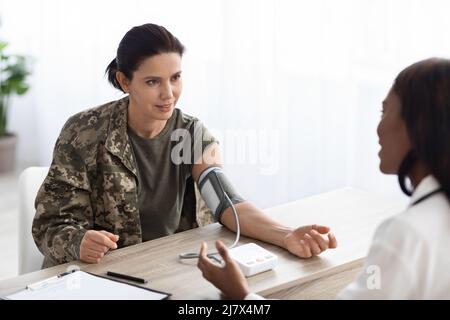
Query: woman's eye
(151,82)
(176,77)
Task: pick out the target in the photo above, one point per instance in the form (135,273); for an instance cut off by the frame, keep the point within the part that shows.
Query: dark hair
(424,92)
(139,43)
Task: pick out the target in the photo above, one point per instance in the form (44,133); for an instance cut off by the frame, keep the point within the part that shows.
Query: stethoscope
(432,193)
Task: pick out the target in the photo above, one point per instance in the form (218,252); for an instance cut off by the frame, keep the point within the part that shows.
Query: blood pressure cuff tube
(210,183)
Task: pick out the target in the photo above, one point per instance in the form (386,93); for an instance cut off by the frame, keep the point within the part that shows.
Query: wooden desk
(352,214)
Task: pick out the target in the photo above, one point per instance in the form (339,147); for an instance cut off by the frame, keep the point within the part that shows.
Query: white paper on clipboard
(81,285)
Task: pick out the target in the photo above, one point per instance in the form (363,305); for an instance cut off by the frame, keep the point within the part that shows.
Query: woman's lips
(164,107)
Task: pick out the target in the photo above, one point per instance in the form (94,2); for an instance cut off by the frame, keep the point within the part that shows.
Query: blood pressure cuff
(213,184)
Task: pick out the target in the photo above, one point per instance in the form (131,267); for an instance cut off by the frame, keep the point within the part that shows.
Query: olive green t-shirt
(164,164)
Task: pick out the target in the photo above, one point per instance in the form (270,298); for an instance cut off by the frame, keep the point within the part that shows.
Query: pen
(42,283)
(126,277)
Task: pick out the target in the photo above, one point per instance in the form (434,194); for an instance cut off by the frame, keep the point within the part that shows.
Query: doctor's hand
(228,278)
(308,241)
(95,244)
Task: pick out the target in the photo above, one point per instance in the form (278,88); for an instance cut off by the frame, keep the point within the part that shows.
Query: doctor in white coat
(410,251)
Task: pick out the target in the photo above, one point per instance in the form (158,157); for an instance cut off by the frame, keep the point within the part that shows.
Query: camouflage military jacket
(92,184)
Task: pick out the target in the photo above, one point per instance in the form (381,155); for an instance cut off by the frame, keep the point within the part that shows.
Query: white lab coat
(410,253)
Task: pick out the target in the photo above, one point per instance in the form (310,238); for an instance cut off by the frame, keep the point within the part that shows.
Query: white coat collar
(427,185)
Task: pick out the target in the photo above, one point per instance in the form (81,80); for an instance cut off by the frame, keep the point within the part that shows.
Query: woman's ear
(123,81)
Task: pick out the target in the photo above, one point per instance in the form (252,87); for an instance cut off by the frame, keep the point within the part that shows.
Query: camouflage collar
(117,141)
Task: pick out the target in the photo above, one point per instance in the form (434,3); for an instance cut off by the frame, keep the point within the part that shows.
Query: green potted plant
(13,75)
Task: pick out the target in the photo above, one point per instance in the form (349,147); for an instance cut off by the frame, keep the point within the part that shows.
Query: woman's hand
(95,244)
(308,241)
(229,278)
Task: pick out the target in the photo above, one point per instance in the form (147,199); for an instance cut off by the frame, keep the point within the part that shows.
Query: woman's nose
(167,92)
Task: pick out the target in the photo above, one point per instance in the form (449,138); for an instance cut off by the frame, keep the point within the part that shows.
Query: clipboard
(80,285)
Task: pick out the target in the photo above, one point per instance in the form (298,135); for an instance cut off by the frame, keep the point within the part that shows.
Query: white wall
(304,80)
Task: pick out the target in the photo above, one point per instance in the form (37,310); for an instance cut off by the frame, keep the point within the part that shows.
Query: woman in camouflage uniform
(116,178)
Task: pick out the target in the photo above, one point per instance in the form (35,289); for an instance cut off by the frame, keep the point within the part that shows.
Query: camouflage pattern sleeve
(63,205)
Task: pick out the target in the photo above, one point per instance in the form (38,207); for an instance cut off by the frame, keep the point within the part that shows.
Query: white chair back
(30,180)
